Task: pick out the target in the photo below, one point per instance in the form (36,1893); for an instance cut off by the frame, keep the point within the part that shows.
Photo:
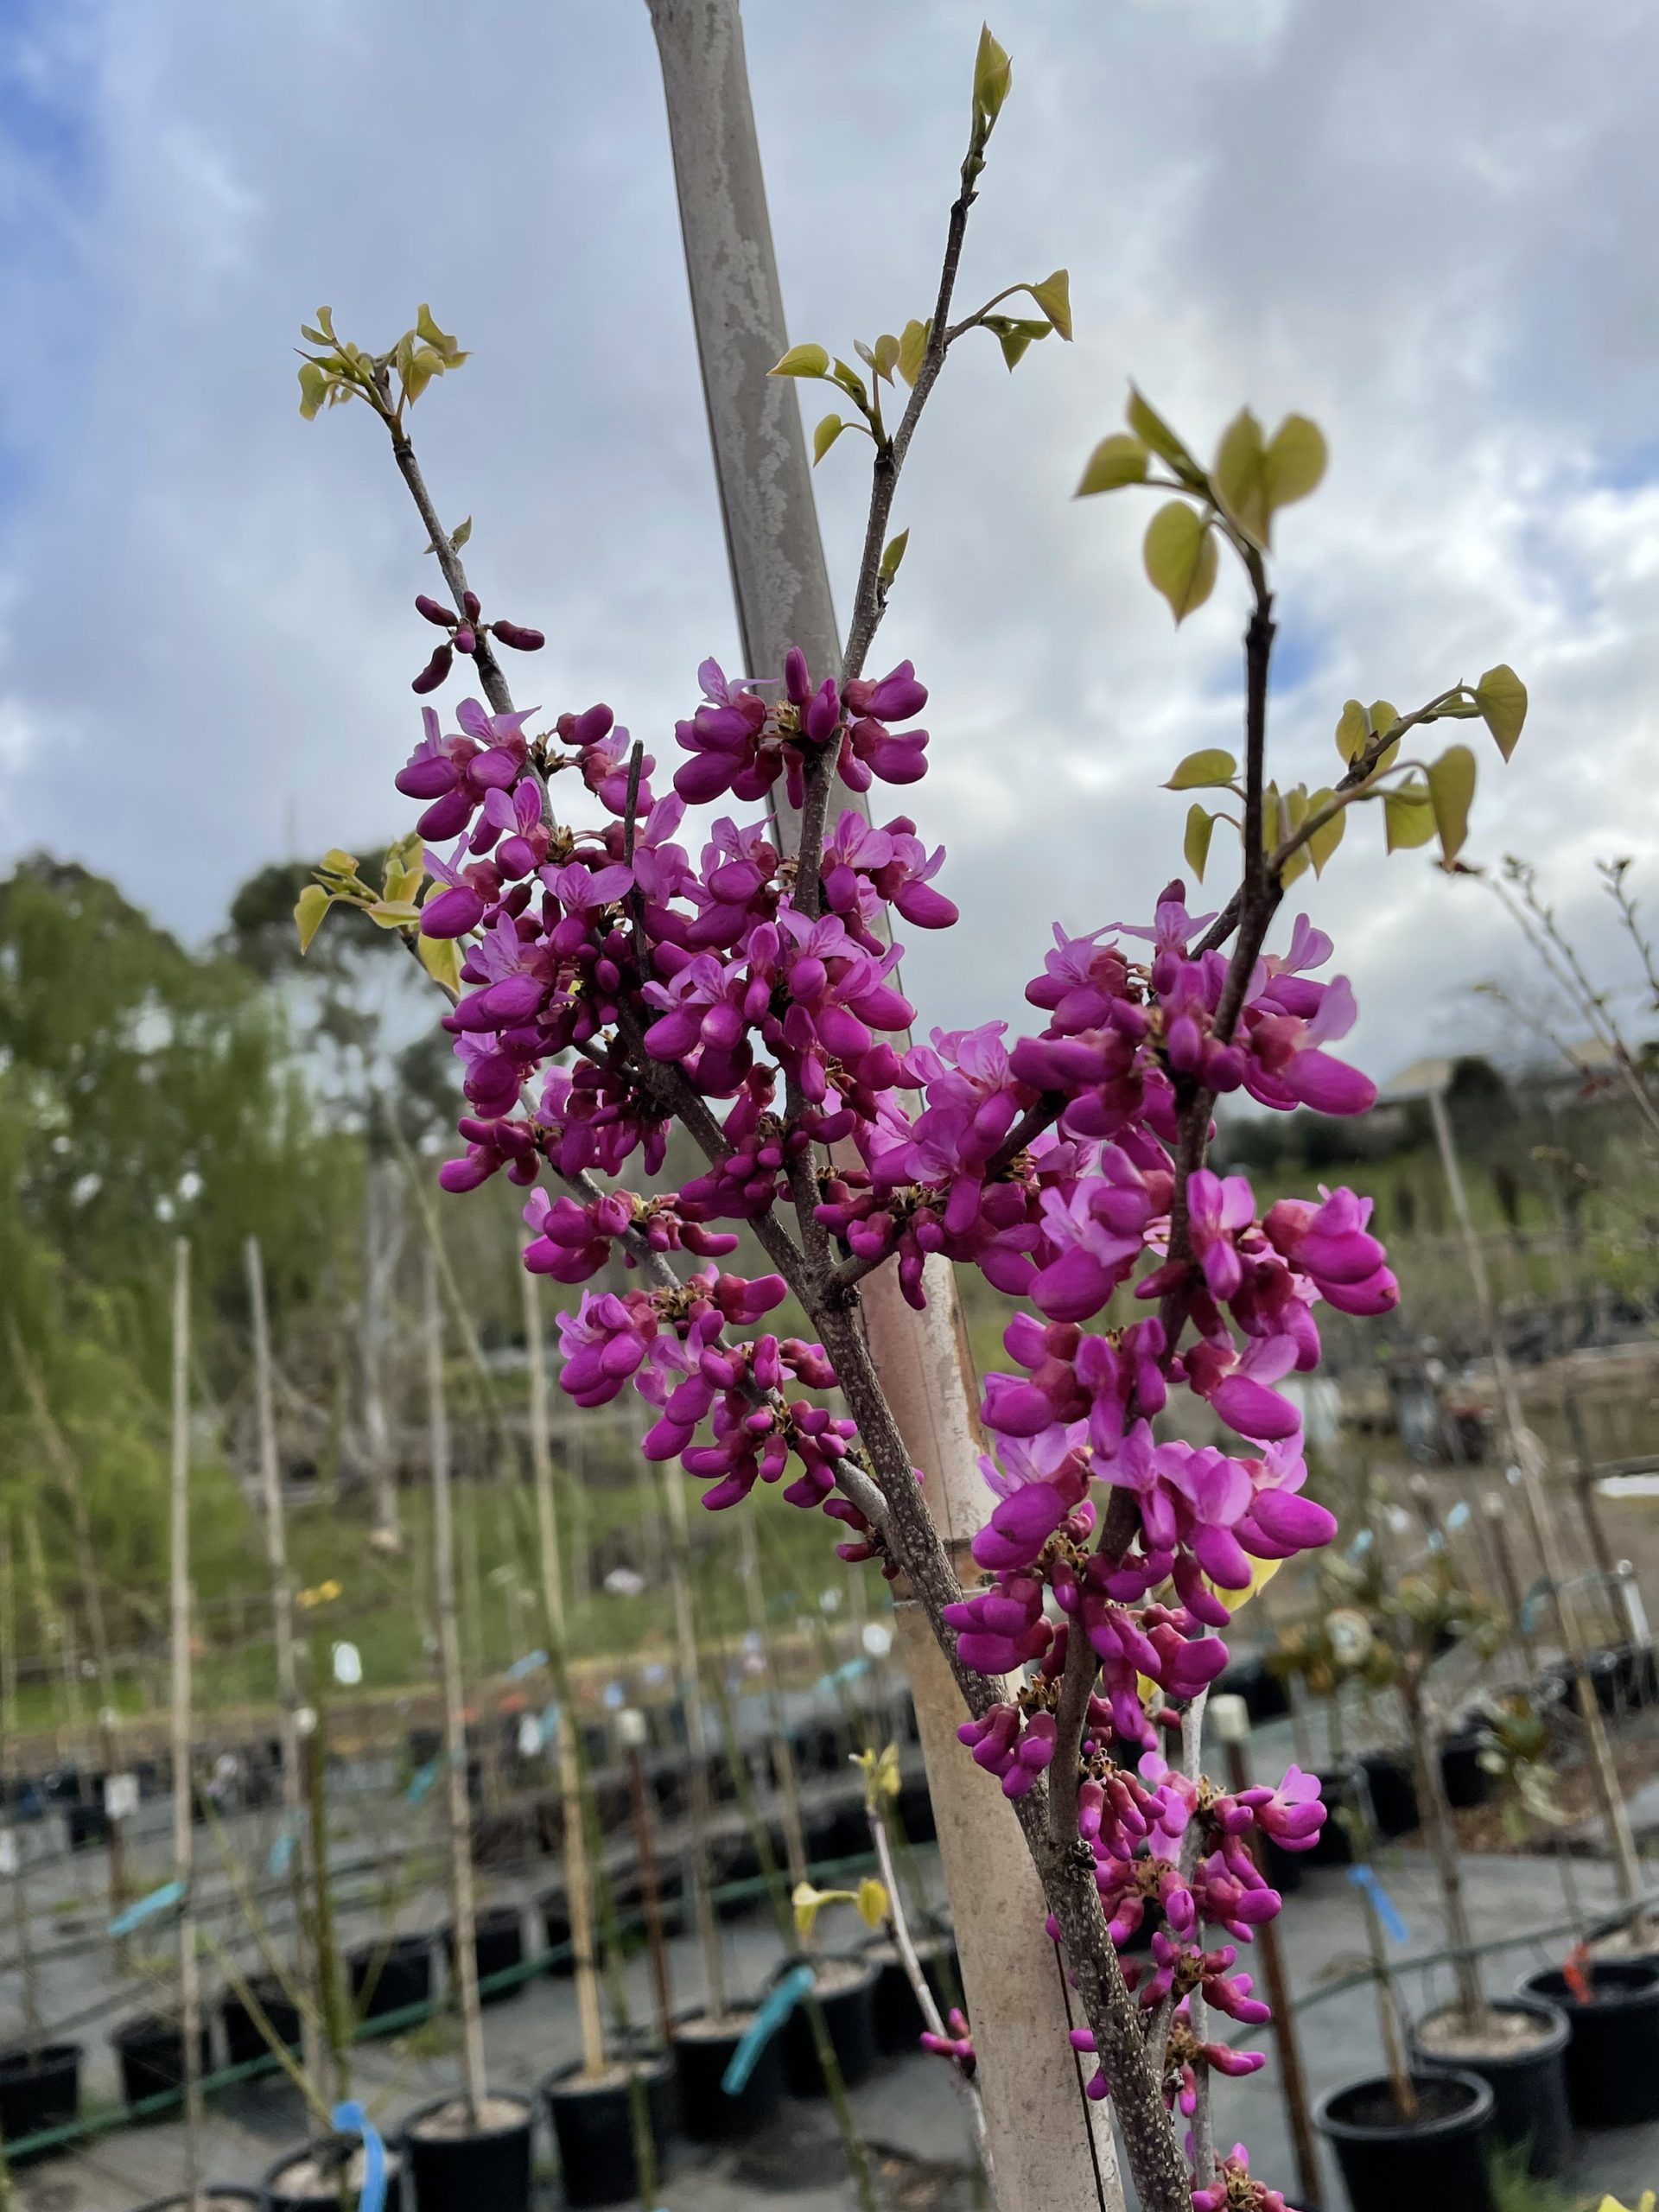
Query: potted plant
(1612,2055)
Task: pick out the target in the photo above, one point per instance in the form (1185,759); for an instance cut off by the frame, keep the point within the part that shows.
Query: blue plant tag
(351,2119)
(527,1665)
(1364,1877)
(761,2031)
(423,1781)
(146,1908)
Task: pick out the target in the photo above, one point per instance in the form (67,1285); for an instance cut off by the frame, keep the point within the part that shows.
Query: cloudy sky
(1431,227)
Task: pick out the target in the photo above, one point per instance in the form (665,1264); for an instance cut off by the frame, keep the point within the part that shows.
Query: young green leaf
(1323,842)
(893,554)
(313,388)
(1294,462)
(458,536)
(1451,788)
(1210,769)
(1053,296)
(1293,812)
(1195,845)
(1353,730)
(886,357)
(825,436)
(1116,460)
(1013,334)
(992,75)
(1239,475)
(912,346)
(1408,816)
(1180,556)
(314,903)
(441,957)
(803,361)
(851,382)
(1152,430)
(1502,698)
(872,1904)
(442,344)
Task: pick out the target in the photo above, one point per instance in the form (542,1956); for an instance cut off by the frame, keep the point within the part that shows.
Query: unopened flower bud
(473,605)
(434,611)
(465,640)
(434,672)
(518,638)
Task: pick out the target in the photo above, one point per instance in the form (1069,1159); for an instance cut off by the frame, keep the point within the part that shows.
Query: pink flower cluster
(610,982)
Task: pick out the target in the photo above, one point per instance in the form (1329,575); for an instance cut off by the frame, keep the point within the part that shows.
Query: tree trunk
(183,1837)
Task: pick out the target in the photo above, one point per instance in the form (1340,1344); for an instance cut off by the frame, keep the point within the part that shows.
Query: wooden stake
(454,1726)
(579,1900)
(631,1732)
(288,1663)
(1049,2145)
(783,1752)
(183,1835)
(696,1733)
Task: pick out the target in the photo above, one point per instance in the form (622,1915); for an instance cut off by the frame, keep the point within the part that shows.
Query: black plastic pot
(1393,1793)
(332,2153)
(242,2040)
(1638,1674)
(88,1824)
(497,1946)
(1613,2058)
(1284,1869)
(1529,2088)
(390,1977)
(151,2049)
(594,2129)
(38,2089)
(849,2015)
(1466,1781)
(555,1927)
(701,2057)
(1436,2162)
(916,1814)
(898,2022)
(461,2173)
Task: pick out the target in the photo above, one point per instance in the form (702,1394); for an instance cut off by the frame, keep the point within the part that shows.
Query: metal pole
(1048,2143)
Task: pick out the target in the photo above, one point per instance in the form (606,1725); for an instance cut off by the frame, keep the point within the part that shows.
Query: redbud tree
(609,982)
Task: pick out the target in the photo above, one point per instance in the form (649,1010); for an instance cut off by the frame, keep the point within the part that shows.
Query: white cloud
(1417,223)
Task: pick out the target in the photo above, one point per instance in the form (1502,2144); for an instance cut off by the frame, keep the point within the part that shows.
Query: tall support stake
(1048,2145)
(183,1834)
(698,1875)
(1530,1458)
(288,1664)
(454,1726)
(785,1773)
(578,1884)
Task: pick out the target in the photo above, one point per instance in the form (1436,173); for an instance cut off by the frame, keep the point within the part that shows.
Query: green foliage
(343,371)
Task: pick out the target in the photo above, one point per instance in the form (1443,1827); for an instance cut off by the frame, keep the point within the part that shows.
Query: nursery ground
(910,2108)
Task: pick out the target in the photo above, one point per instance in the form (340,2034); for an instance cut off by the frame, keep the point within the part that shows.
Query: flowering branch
(606,985)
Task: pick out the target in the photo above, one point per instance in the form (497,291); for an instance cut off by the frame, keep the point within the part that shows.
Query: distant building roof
(1421,1080)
